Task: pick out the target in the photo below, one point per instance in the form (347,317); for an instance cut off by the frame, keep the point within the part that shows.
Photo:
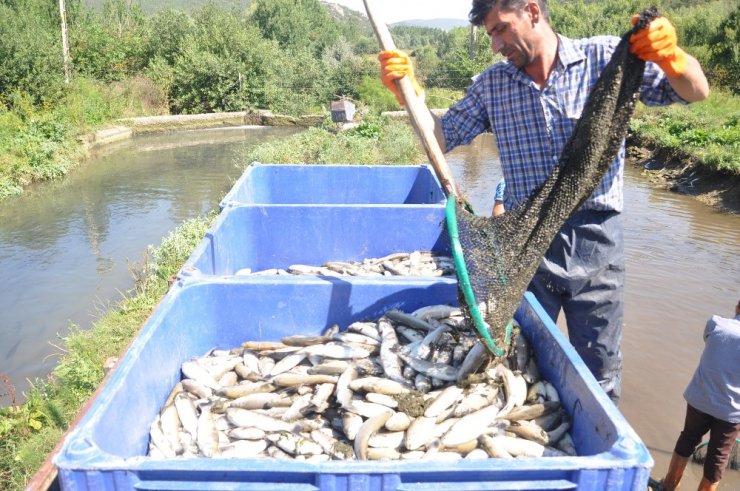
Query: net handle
(419,114)
(464,281)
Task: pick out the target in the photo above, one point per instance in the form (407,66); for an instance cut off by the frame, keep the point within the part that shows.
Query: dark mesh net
(502,253)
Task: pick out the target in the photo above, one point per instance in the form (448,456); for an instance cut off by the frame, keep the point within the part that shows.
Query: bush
(31,55)
(372,92)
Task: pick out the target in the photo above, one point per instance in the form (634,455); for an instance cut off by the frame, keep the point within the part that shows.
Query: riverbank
(666,169)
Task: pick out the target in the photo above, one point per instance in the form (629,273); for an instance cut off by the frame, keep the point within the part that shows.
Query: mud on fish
(416,385)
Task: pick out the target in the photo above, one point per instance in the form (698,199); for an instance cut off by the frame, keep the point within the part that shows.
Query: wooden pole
(65,43)
(473,40)
(421,118)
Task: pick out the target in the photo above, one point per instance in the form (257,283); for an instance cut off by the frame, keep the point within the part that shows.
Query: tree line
(291,56)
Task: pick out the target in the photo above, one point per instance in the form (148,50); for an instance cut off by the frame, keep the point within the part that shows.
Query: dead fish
(388,358)
(342,391)
(193,370)
(287,363)
(419,433)
(262,345)
(369,329)
(532,411)
(247,418)
(529,431)
(386,439)
(383,399)
(398,422)
(494,447)
(207,434)
(241,390)
(320,399)
(261,400)
(292,379)
(330,367)
(304,341)
(409,320)
(351,424)
(187,413)
(369,427)
(470,427)
(246,433)
(476,357)
(331,446)
(338,351)
(430,369)
(379,385)
(243,449)
(443,401)
(436,312)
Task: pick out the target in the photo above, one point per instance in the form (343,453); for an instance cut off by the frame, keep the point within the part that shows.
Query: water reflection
(66,247)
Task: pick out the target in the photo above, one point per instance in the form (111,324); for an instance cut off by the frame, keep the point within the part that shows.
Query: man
(712,404)
(531,103)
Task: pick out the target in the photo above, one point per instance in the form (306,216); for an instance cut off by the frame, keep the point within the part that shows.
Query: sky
(396,10)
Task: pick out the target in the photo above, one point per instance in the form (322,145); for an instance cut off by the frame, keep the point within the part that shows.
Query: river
(66,249)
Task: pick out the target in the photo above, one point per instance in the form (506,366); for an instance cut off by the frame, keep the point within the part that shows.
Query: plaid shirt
(531,126)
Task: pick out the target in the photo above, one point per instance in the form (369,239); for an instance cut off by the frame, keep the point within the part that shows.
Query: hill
(444,24)
(152,6)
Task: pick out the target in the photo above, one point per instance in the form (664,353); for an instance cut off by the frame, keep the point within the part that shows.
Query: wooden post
(65,43)
(473,41)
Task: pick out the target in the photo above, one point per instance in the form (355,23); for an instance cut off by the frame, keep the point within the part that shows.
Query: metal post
(65,43)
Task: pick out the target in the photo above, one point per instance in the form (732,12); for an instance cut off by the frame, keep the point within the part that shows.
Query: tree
(296,23)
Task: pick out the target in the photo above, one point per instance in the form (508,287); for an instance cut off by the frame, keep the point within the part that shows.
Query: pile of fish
(416,263)
(407,386)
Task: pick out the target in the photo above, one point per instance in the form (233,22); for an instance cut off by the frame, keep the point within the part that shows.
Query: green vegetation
(707,131)
(189,56)
(30,431)
(186,57)
(372,142)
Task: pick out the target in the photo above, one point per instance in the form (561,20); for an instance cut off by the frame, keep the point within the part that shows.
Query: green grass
(29,432)
(372,142)
(43,143)
(706,132)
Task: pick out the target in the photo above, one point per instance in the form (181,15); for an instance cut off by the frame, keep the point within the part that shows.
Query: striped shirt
(531,126)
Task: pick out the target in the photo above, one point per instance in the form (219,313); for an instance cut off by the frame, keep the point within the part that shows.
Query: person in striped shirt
(531,102)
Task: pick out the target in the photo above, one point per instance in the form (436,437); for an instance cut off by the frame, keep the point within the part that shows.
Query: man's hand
(395,65)
(658,43)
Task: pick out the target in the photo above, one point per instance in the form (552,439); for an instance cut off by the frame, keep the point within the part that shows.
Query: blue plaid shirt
(531,126)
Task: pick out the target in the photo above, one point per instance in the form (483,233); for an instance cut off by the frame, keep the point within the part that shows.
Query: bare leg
(675,472)
(705,485)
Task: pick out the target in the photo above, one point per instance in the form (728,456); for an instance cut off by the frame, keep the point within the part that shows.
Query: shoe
(655,485)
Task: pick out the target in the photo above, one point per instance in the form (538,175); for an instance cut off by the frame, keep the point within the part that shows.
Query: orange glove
(395,65)
(658,43)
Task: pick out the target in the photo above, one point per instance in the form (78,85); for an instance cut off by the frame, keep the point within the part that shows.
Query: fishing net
(501,254)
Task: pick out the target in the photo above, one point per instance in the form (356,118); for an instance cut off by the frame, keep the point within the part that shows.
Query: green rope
(464,281)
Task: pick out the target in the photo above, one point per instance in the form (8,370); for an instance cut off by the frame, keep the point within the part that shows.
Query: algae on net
(502,253)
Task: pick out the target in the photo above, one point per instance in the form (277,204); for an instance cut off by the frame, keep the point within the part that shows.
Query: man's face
(511,34)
